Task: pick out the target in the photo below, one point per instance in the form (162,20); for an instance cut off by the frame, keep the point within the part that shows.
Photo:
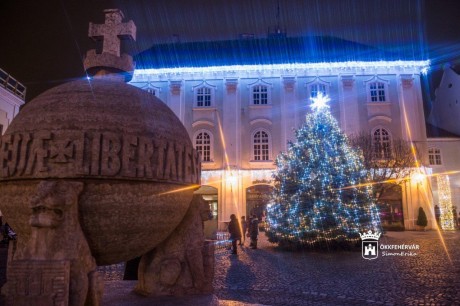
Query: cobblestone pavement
(271,276)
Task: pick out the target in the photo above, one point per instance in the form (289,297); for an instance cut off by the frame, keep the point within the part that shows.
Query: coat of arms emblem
(370,245)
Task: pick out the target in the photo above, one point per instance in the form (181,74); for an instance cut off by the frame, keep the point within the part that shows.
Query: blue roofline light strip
(421,66)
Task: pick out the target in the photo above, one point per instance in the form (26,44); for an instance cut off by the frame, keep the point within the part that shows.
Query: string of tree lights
(319,199)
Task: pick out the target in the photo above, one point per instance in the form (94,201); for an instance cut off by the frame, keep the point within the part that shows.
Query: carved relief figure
(184,263)
(56,236)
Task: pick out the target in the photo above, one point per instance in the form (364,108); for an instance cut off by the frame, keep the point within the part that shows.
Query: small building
(12,96)
(241,100)
(446,106)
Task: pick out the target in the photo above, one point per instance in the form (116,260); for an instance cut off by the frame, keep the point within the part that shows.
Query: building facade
(241,109)
(443,152)
(446,107)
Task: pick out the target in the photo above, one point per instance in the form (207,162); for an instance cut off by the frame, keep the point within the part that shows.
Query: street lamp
(418,177)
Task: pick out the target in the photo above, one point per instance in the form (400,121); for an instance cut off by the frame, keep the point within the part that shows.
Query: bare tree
(388,166)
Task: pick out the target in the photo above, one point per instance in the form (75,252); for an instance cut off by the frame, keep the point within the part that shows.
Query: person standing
(454,212)
(458,220)
(437,214)
(254,231)
(235,232)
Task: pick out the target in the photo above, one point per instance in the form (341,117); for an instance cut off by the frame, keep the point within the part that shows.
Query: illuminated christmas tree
(321,197)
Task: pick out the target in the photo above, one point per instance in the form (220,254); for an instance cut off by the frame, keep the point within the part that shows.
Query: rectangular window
(203,97)
(434,156)
(1,129)
(316,89)
(260,95)
(151,91)
(377,91)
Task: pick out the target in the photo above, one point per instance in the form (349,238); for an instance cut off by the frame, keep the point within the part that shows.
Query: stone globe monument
(96,172)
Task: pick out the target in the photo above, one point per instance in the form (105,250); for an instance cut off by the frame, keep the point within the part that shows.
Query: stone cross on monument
(112,31)
(110,62)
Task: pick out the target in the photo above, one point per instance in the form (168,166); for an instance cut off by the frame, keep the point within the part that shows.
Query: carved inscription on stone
(38,282)
(92,154)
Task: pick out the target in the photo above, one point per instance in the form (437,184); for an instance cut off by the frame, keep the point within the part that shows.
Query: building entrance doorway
(210,195)
(390,207)
(257,198)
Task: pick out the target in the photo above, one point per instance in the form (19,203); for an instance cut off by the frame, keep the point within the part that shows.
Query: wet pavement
(270,276)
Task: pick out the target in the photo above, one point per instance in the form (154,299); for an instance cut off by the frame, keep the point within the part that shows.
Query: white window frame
(313,88)
(377,90)
(259,94)
(260,147)
(253,93)
(152,91)
(150,88)
(198,92)
(316,88)
(434,156)
(210,144)
(385,144)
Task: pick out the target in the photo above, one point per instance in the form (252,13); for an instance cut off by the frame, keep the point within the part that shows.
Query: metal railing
(12,85)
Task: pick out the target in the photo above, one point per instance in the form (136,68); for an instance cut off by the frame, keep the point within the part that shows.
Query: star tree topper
(319,102)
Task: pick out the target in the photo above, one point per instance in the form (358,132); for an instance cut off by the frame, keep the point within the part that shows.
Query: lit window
(151,91)
(203,97)
(259,95)
(203,146)
(381,142)
(377,92)
(261,142)
(317,89)
(434,156)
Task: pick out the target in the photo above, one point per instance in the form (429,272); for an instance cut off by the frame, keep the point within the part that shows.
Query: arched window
(203,97)
(381,141)
(260,95)
(203,145)
(261,146)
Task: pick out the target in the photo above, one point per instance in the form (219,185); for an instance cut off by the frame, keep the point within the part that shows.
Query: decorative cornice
(260,120)
(383,118)
(203,122)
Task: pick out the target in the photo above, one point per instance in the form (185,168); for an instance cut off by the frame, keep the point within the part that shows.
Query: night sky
(43,42)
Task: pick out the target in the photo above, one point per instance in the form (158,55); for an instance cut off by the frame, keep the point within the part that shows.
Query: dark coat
(254,228)
(234,229)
